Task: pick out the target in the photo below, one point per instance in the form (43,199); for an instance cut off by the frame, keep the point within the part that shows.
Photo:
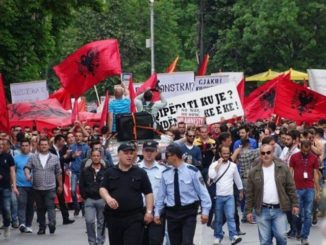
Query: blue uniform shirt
(191,185)
(154,174)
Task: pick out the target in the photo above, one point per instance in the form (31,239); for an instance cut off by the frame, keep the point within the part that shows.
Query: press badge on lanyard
(305,173)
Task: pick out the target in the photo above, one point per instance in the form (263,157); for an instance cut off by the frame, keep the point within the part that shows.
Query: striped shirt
(118,106)
(44,178)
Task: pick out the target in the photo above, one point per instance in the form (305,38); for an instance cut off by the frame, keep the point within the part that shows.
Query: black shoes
(68,221)
(52,229)
(76,213)
(41,231)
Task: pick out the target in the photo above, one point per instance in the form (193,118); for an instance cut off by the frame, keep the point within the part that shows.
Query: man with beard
(244,134)
(191,153)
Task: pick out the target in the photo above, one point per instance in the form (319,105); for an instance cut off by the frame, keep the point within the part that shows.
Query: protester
(46,171)
(25,197)
(89,185)
(305,170)
(191,154)
(122,189)
(61,151)
(225,173)
(182,189)
(271,193)
(7,176)
(144,102)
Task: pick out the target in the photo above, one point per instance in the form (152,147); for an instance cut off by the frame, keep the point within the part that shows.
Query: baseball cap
(150,144)
(126,147)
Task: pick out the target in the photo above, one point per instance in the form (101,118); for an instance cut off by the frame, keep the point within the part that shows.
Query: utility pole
(151,2)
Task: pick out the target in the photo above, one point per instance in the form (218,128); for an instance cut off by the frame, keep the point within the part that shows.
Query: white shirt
(224,187)
(287,154)
(270,195)
(44,159)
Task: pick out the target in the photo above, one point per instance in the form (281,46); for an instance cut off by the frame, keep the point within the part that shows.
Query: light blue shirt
(252,142)
(20,162)
(154,174)
(192,188)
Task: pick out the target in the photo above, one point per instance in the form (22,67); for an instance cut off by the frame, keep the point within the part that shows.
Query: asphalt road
(75,234)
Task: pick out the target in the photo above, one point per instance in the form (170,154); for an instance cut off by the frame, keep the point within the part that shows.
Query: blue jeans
(74,183)
(272,221)
(224,205)
(94,209)
(5,198)
(306,200)
(25,206)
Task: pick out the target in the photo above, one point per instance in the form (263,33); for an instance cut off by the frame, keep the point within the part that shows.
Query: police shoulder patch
(167,169)
(193,168)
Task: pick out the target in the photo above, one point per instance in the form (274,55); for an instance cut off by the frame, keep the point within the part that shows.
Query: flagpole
(96,92)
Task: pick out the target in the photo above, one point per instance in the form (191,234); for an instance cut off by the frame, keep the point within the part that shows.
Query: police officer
(182,189)
(122,189)
(154,233)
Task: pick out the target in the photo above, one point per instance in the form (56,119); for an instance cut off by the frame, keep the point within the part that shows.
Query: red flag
(173,65)
(151,83)
(298,103)
(74,113)
(241,90)
(305,84)
(203,67)
(104,115)
(82,104)
(4,117)
(132,95)
(260,103)
(63,97)
(89,65)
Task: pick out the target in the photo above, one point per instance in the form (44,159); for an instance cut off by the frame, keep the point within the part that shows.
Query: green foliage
(239,35)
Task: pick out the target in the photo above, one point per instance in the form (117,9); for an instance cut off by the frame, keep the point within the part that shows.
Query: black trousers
(126,230)
(62,202)
(181,226)
(154,233)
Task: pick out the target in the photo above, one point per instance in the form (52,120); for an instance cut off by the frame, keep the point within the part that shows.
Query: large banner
(317,80)
(176,83)
(29,91)
(235,77)
(219,103)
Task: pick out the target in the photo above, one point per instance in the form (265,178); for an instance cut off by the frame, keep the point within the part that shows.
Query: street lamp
(151,4)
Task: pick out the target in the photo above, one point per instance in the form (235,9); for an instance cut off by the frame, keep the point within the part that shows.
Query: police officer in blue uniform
(182,190)
(154,234)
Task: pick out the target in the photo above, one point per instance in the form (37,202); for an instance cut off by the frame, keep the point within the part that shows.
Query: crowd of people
(152,191)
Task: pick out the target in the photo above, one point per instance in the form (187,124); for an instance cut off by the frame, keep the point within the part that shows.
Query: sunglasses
(191,136)
(265,153)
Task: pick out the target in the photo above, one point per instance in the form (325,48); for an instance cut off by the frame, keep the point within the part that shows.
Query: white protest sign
(317,80)
(29,91)
(202,82)
(235,77)
(176,83)
(219,103)
(191,116)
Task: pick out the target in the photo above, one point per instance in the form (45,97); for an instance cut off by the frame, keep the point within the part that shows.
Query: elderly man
(271,192)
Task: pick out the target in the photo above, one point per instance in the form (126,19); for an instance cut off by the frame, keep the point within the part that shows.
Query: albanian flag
(260,103)
(4,117)
(298,103)
(63,97)
(89,65)
(48,113)
(150,83)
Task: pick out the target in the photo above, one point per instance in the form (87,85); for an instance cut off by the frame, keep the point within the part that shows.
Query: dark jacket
(89,182)
(284,184)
